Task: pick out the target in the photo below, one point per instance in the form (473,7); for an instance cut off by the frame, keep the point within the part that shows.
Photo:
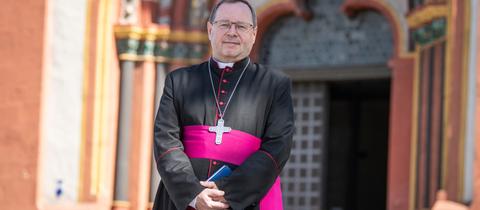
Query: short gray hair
(252,10)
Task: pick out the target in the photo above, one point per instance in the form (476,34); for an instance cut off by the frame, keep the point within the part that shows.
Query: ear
(254,33)
(209,30)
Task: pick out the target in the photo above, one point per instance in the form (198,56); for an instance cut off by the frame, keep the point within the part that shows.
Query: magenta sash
(236,147)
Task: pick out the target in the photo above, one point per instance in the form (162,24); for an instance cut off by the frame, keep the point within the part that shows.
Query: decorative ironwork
(302,176)
(329,39)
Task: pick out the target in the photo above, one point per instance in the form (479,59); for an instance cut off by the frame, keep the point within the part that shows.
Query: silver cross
(219,130)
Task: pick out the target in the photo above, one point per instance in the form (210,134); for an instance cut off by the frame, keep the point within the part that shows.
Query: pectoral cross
(219,130)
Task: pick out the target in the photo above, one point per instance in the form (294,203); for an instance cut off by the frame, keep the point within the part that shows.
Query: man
(225,111)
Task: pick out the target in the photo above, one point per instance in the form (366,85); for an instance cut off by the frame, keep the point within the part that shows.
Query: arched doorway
(341,95)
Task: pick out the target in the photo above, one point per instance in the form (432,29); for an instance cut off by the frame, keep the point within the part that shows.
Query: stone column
(124,131)
(127,47)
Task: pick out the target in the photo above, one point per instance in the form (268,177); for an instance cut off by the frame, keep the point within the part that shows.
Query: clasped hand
(211,198)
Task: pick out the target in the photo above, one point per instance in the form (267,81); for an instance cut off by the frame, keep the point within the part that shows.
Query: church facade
(384,92)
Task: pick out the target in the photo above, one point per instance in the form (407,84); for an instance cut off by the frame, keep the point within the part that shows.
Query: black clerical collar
(237,66)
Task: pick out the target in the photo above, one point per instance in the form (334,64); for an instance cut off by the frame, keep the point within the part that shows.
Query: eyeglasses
(226,24)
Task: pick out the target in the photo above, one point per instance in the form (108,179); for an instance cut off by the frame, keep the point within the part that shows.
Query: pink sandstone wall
(22,51)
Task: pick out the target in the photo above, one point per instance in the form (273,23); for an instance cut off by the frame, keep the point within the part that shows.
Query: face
(231,44)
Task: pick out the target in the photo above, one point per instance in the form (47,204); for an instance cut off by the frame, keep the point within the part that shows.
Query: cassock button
(221,103)
(214,162)
(228,70)
(225,81)
(223,91)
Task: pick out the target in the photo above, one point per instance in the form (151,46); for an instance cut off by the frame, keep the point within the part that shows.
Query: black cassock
(261,106)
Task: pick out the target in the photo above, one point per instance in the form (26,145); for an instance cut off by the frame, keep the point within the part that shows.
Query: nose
(232,29)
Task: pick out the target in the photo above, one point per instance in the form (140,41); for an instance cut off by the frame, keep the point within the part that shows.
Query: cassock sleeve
(174,166)
(249,182)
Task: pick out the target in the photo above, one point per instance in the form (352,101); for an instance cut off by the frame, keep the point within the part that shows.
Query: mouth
(231,43)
